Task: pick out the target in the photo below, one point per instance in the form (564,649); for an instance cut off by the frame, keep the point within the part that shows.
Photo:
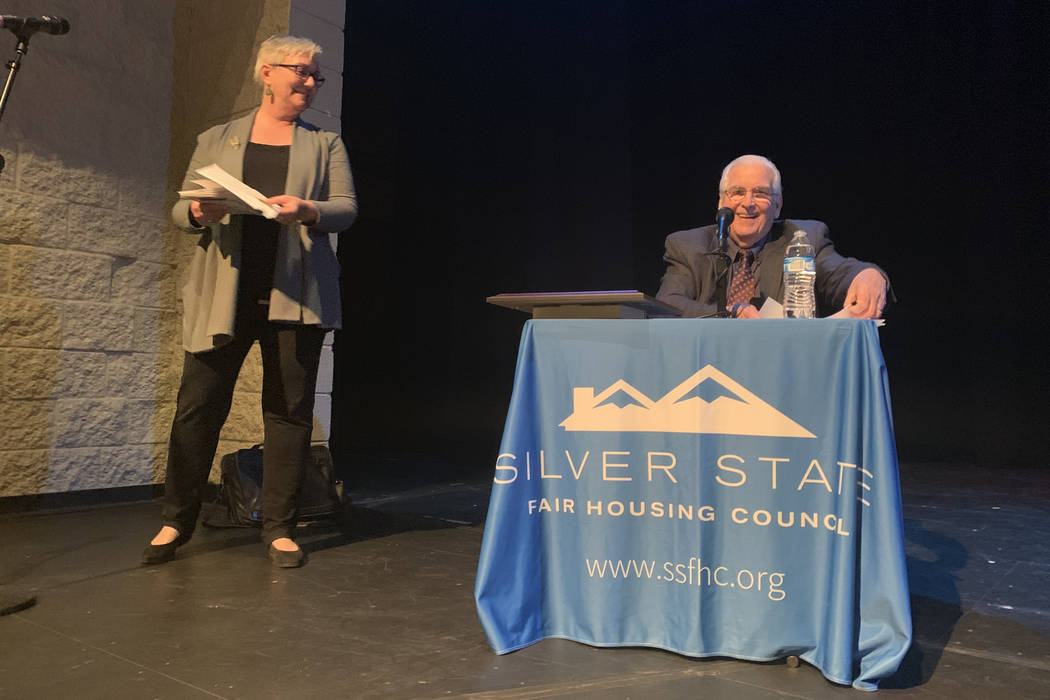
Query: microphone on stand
(723,217)
(24,26)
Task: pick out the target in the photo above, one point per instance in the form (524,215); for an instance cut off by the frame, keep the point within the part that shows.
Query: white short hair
(761,160)
(277,47)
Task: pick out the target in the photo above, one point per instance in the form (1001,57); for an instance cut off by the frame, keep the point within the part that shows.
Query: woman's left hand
(294,210)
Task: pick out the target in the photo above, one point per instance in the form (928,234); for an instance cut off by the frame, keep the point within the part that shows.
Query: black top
(265,169)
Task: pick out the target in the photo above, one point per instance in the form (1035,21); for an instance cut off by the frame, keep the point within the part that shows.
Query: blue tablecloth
(710,487)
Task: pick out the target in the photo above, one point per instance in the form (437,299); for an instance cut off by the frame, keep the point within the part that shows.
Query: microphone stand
(722,263)
(21,49)
(14,598)
(721,295)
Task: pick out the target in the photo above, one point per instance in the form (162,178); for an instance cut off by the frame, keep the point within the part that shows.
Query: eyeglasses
(761,194)
(303,72)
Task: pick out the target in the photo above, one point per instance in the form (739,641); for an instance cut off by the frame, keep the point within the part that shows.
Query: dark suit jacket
(689,282)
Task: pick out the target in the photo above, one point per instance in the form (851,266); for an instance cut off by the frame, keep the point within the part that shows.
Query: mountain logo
(708,402)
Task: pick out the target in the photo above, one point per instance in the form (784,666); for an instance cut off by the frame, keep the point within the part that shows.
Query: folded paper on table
(772,308)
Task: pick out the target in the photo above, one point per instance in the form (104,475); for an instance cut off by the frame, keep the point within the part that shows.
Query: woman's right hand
(207,213)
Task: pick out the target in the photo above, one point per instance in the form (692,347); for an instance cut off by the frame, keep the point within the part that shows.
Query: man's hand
(746,311)
(866,296)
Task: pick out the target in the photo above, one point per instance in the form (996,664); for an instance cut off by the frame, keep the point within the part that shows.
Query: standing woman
(251,278)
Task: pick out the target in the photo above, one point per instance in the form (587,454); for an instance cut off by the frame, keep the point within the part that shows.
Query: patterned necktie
(742,288)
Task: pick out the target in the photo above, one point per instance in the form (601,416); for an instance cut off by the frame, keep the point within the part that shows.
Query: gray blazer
(306,273)
(689,283)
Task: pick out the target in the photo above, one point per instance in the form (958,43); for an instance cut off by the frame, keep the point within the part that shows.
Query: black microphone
(24,26)
(723,217)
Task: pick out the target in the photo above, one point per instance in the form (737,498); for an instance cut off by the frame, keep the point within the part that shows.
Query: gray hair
(274,50)
(760,160)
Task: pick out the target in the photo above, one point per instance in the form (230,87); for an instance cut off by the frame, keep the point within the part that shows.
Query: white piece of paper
(239,198)
(771,308)
(843,313)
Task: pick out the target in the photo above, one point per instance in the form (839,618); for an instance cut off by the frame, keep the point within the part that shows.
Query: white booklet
(219,186)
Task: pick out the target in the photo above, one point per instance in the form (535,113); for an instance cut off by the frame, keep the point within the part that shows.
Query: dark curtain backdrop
(537,146)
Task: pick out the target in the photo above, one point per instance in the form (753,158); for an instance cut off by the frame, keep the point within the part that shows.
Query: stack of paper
(217,185)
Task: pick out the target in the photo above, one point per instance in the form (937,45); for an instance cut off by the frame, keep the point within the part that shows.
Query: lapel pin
(235,142)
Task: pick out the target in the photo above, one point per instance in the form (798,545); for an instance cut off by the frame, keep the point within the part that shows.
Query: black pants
(290,354)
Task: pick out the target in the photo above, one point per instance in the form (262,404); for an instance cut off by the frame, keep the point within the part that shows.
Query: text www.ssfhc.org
(690,573)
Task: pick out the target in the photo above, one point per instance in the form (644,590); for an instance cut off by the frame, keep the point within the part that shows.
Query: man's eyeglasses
(303,72)
(761,194)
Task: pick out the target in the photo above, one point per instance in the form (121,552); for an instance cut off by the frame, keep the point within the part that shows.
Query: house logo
(707,402)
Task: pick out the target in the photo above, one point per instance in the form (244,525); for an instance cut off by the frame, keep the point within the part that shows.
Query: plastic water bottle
(800,271)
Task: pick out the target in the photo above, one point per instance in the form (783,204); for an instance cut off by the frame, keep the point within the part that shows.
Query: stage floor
(388,611)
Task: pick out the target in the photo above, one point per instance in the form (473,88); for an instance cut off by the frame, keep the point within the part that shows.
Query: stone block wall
(87,279)
(97,135)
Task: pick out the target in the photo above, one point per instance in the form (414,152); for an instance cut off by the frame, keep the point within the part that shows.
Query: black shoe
(161,553)
(287,560)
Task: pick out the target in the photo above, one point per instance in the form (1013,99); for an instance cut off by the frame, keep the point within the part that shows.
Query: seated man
(751,187)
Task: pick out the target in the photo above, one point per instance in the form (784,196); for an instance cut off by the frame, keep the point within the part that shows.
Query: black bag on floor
(240,489)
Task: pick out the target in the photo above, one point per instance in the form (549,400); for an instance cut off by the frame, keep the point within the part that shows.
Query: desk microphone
(723,217)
